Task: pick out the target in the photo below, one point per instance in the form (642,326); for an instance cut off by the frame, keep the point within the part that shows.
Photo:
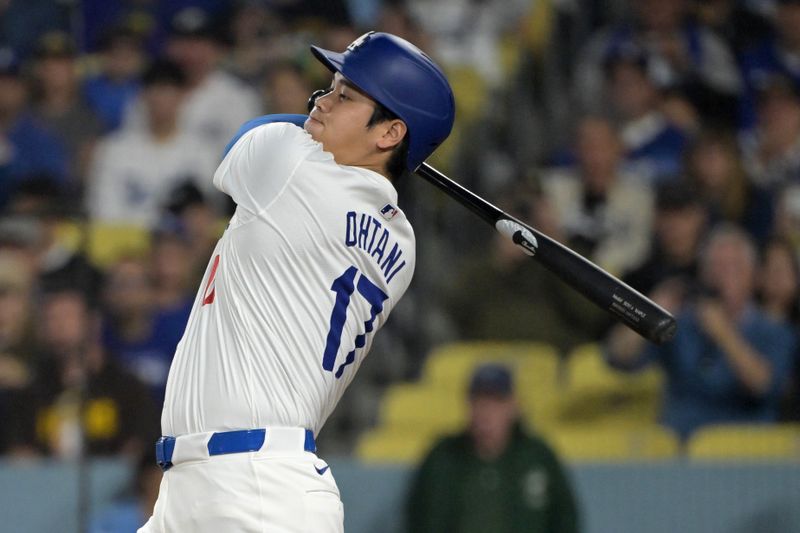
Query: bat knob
(664,331)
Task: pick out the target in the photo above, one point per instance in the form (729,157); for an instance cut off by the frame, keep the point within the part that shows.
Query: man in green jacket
(493,477)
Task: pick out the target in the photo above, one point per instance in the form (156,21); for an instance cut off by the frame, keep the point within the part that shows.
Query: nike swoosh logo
(322,470)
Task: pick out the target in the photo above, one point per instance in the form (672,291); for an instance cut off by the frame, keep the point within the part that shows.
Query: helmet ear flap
(312,100)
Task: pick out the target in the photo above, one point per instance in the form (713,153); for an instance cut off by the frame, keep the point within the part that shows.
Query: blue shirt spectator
(702,387)
(109,98)
(729,362)
(150,356)
(28,149)
(778,55)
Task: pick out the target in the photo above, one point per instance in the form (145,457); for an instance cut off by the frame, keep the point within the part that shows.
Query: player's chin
(313,126)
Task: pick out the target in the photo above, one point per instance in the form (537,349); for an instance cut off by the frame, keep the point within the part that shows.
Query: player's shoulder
(277,133)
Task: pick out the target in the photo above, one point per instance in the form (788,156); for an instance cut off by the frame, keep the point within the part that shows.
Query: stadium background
(546,90)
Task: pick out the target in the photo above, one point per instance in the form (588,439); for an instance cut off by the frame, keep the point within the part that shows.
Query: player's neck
(378,169)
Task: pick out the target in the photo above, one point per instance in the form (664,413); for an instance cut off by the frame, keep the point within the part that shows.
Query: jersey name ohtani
(367,233)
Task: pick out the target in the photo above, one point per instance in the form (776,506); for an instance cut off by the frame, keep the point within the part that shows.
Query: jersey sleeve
(260,162)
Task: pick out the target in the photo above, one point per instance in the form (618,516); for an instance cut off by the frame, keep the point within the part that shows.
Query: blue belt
(224,442)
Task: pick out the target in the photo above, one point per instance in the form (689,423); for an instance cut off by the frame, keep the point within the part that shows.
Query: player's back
(311,264)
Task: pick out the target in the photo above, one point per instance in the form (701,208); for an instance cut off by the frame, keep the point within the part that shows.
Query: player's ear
(393,133)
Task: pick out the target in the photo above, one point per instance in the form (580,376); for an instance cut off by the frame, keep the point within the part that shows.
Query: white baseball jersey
(312,263)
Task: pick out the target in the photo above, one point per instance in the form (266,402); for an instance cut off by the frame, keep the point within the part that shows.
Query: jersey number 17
(344,286)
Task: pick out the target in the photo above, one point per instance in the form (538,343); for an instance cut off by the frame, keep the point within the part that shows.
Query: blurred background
(659,138)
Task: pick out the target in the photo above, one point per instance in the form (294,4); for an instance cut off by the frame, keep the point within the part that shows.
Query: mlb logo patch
(389,211)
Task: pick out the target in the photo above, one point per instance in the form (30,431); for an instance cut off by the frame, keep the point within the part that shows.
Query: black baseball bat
(637,311)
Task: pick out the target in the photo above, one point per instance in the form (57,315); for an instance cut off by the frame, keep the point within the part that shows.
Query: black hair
(164,72)
(396,166)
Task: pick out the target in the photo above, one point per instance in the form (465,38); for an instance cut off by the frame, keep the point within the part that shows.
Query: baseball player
(314,259)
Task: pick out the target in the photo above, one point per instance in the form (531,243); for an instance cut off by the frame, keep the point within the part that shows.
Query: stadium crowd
(659,138)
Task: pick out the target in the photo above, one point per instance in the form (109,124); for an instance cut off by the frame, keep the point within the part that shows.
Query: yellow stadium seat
(395,445)
(601,444)
(451,365)
(741,442)
(419,406)
(539,389)
(595,392)
(105,243)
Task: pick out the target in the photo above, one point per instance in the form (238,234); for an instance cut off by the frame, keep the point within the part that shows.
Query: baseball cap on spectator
(9,62)
(55,44)
(164,72)
(195,23)
(184,196)
(491,379)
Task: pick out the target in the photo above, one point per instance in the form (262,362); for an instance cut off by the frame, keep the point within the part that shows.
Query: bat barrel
(639,312)
(625,303)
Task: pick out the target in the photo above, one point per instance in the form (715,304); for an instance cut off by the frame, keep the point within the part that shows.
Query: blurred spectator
(787,215)
(199,220)
(498,293)
(17,350)
(286,89)
(778,284)
(111,90)
(26,147)
(494,476)
(217,103)
(779,295)
(56,263)
(58,101)
(259,38)
(680,224)
(151,19)
(134,169)
(17,341)
(653,145)
(395,17)
(173,271)
(772,150)
(683,56)
(140,336)
(21,23)
(469,35)
(776,55)
(80,397)
(24,235)
(131,509)
(738,25)
(729,361)
(714,167)
(603,213)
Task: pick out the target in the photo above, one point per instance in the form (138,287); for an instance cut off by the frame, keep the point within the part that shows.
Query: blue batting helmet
(402,78)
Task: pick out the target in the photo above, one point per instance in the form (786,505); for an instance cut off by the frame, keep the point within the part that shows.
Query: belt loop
(310,445)
(164,448)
